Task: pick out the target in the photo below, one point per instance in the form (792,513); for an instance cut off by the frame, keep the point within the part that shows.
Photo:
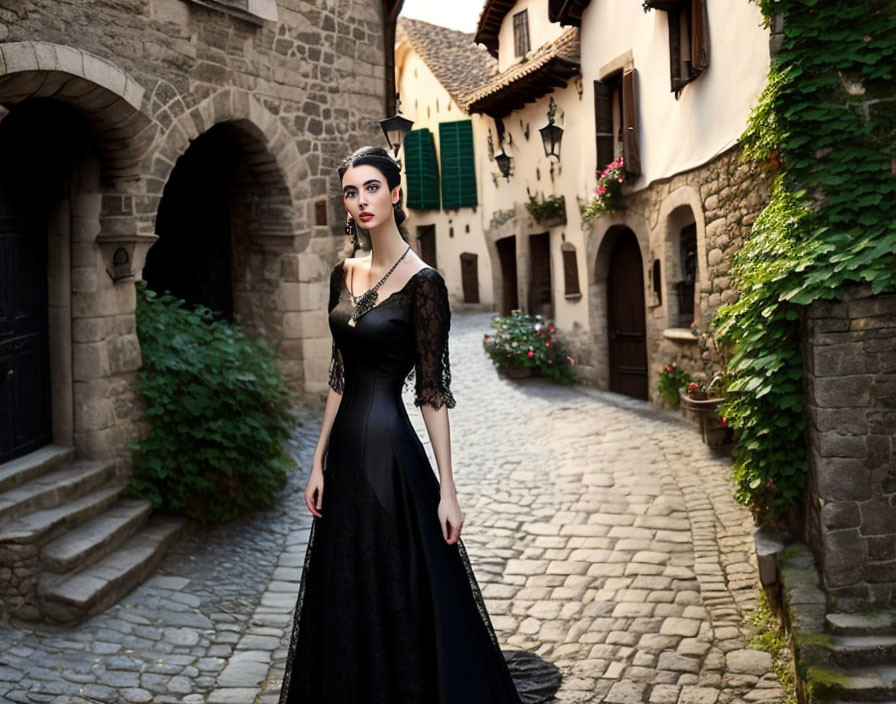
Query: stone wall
(149,76)
(722,199)
(850,388)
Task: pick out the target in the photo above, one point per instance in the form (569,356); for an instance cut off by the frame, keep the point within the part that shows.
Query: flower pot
(695,409)
(559,219)
(516,372)
(714,433)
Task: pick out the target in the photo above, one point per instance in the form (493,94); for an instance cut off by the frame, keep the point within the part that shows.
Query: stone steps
(877,623)
(23,469)
(868,684)
(98,586)
(54,487)
(41,526)
(864,651)
(75,544)
(97,537)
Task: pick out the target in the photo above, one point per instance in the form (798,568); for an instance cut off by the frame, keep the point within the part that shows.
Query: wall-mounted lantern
(504,163)
(395,128)
(551,134)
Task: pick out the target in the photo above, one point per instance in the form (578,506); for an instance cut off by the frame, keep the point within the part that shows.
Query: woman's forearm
(332,406)
(438,428)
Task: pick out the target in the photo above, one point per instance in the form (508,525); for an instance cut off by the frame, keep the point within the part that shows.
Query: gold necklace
(367,300)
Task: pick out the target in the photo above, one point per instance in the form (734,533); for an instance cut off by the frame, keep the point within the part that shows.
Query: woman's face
(367,197)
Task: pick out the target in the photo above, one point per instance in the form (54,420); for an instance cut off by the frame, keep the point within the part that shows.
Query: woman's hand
(450,518)
(314,489)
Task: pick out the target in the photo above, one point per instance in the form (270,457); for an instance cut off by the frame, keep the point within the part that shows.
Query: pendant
(361,305)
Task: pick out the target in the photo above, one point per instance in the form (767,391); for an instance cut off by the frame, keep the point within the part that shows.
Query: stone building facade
(715,205)
(125,89)
(193,143)
(850,384)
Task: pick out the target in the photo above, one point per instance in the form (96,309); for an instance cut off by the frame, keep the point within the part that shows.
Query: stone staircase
(71,545)
(863,651)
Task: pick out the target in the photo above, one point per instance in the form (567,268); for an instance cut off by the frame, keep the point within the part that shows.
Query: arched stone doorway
(619,272)
(223,208)
(40,141)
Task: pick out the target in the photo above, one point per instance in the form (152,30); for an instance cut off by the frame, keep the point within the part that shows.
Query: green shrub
(527,341)
(672,380)
(218,410)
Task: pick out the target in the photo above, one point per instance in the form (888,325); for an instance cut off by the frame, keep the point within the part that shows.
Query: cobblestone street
(601,529)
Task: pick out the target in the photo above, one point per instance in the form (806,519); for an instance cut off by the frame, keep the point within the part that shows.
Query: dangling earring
(351,229)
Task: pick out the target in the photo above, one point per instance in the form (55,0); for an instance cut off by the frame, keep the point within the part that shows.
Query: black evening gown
(388,612)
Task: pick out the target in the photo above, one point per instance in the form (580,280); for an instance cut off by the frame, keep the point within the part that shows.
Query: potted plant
(547,211)
(701,401)
(607,193)
(672,381)
(525,345)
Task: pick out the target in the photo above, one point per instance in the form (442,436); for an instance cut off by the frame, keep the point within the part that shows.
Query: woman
(389,611)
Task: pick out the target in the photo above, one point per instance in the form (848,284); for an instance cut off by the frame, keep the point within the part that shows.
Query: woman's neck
(387,245)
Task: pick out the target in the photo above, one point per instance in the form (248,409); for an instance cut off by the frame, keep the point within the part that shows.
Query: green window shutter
(422,170)
(458,165)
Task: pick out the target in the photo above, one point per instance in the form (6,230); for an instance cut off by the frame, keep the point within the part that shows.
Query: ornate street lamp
(504,163)
(551,134)
(395,128)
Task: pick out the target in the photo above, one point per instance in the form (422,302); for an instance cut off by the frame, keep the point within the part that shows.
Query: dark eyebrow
(371,180)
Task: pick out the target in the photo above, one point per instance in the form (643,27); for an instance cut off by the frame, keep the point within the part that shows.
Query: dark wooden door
(24,362)
(469,276)
(507,257)
(625,315)
(540,301)
(426,239)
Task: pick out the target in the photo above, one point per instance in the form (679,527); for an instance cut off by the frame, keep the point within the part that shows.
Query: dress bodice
(405,333)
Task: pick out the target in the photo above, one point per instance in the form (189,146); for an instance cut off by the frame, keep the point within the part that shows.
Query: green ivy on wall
(825,125)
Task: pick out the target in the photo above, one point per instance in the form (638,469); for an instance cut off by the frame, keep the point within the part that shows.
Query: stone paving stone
(620,557)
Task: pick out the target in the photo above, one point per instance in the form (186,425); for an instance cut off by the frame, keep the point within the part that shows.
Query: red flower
(551,328)
(530,354)
(693,385)
(549,341)
(724,421)
(670,368)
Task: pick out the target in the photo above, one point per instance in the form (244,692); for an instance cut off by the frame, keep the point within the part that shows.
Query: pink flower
(551,328)
(570,360)
(693,385)
(550,341)
(619,179)
(670,368)
(601,190)
(530,354)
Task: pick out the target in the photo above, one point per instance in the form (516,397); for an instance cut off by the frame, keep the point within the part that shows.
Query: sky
(456,14)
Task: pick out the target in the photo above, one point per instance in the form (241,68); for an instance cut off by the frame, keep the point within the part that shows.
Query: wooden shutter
(570,269)
(603,123)
(631,154)
(422,170)
(699,37)
(677,80)
(458,164)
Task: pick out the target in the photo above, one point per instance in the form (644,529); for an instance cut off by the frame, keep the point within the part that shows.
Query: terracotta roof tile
(458,63)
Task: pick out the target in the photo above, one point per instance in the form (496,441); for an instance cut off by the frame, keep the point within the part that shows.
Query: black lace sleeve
(337,371)
(432,320)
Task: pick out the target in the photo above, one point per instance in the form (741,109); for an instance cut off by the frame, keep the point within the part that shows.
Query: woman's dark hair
(380,159)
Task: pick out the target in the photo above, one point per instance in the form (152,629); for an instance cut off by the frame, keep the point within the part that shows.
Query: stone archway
(264,236)
(92,348)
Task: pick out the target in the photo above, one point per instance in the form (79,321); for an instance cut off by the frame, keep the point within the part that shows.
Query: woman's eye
(372,188)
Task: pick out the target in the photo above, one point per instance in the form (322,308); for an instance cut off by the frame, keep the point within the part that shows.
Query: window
(521,33)
(655,282)
(687,260)
(688,39)
(616,123)
(422,170)
(458,164)
(571,287)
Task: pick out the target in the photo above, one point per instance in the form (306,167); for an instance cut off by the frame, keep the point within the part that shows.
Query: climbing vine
(825,127)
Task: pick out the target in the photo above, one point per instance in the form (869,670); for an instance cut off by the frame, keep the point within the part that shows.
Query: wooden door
(24,353)
(540,301)
(469,276)
(426,242)
(626,318)
(507,257)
